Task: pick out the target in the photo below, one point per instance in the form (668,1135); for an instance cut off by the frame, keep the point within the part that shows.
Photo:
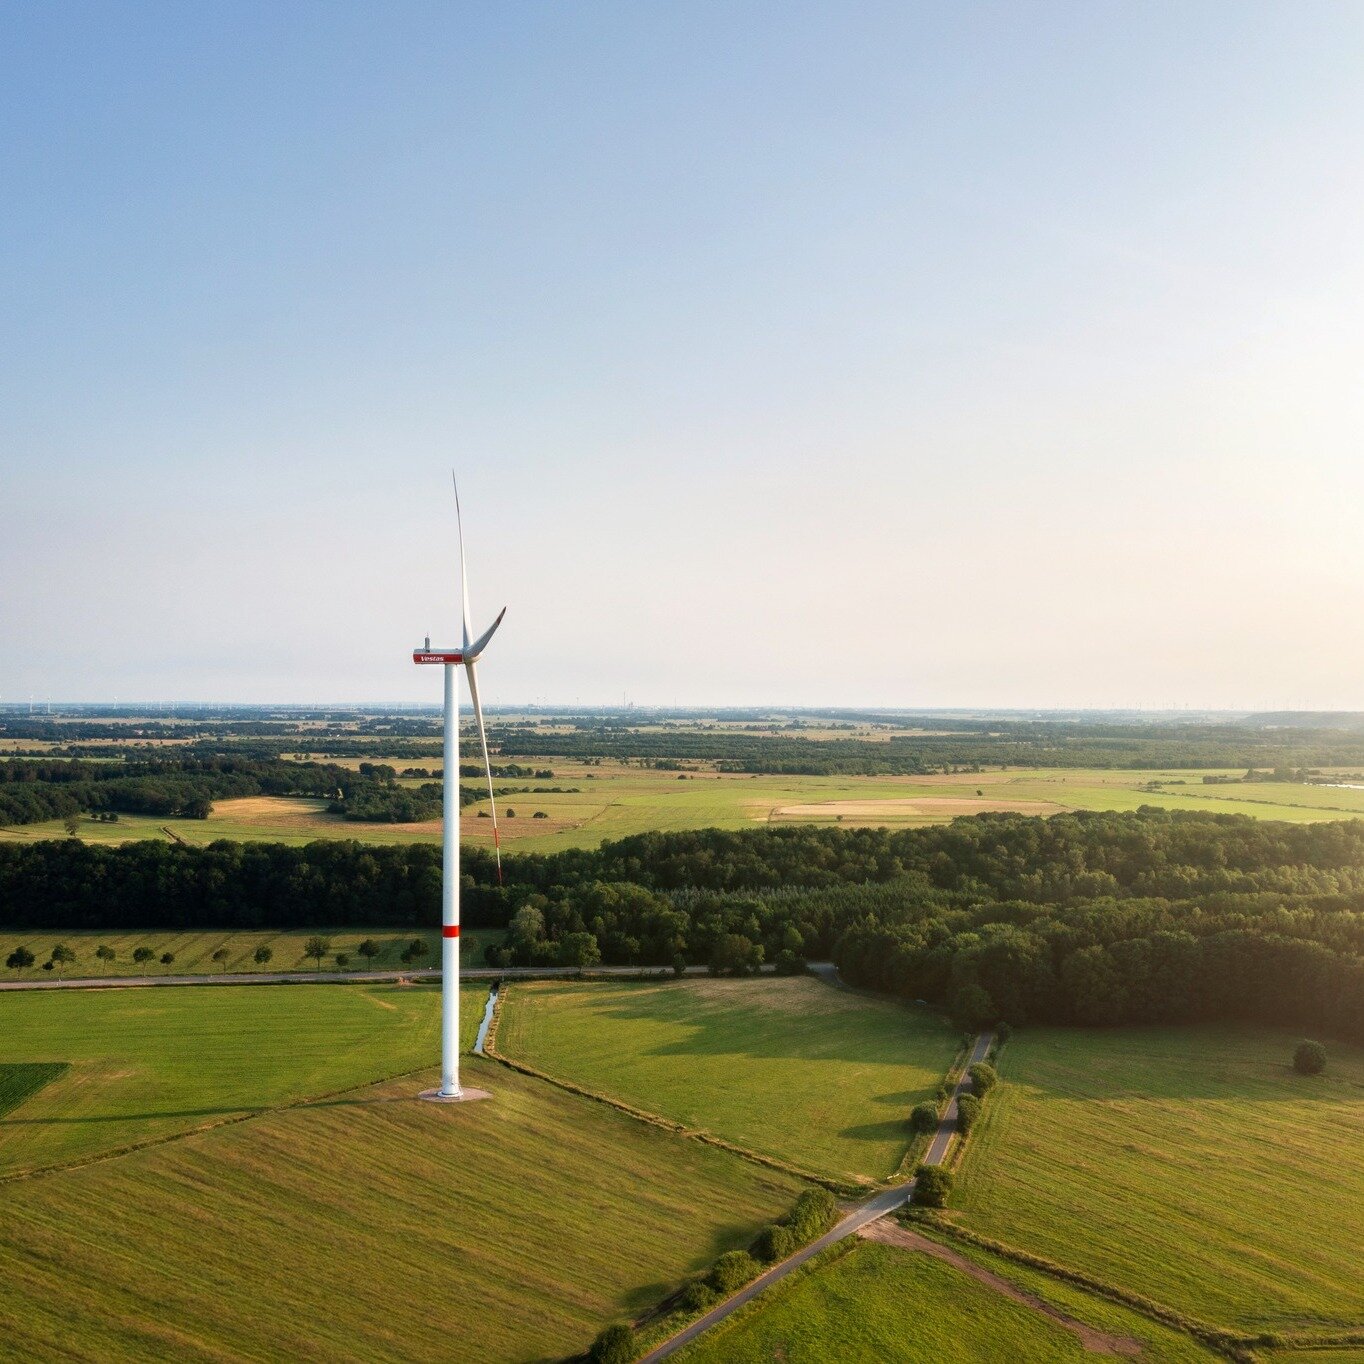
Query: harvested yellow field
(899,809)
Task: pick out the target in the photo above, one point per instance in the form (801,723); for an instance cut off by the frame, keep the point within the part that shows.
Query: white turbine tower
(468,654)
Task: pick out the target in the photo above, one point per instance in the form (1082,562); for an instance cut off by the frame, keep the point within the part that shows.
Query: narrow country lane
(863,1215)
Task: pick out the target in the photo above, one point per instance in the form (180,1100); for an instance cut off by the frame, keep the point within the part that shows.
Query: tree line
(182,787)
(1045,744)
(1087,918)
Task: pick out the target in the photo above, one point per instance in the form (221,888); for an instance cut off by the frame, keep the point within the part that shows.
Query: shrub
(1002,1033)
(343,959)
(697,1296)
(932,1185)
(262,955)
(1309,1058)
(789,964)
(167,958)
(812,1216)
(774,1243)
(614,1345)
(923,1117)
(732,1271)
(679,964)
(968,1111)
(984,1077)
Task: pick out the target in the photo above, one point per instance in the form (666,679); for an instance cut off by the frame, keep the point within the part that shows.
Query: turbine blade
(463,567)
(487,765)
(472,651)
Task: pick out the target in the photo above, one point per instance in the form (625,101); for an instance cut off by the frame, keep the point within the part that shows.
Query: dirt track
(1099,1342)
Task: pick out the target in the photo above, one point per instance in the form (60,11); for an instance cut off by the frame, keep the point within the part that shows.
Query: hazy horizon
(974,357)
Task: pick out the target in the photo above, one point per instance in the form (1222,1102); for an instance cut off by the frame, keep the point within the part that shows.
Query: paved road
(345,977)
(860,1216)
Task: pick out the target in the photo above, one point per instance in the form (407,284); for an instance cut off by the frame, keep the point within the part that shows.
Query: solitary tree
(416,948)
(615,1345)
(923,1117)
(968,1111)
(262,954)
(105,953)
(317,948)
(143,954)
(369,949)
(72,825)
(62,954)
(1309,1058)
(984,1077)
(932,1184)
(220,956)
(20,959)
(732,1271)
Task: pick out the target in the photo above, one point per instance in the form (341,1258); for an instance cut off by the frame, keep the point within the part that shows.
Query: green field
(145,1063)
(193,951)
(791,1068)
(1190,1164)
(878,1302)
(613,800)
(367,1226)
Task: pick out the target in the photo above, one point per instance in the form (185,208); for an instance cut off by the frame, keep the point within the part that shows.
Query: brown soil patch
(1099,1342)
(913,807)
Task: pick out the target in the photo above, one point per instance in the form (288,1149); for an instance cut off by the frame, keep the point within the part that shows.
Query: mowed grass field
(789,1067)
(613,800)
(879,1302)
(372,1226)
(1190,1164)
(193,951)
(145,1063)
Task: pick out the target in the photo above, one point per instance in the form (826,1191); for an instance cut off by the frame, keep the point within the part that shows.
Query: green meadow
(142,1064)
(367,1225)
(1192,1165)
(788,1067)
(878,1302)
(194,950)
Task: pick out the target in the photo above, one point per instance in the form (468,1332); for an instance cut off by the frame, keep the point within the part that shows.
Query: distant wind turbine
(467,654)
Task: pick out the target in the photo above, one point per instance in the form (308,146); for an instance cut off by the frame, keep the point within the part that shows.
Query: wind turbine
(467,654)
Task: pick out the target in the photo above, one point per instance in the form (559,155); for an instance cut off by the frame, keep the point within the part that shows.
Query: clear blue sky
(792,353)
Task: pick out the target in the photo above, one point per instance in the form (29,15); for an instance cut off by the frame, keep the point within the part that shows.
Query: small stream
(487,1020)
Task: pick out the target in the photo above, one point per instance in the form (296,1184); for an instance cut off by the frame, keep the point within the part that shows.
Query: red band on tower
(449,931)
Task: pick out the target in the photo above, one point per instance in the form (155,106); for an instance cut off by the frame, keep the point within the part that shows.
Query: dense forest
(1082,918)
(185,787)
